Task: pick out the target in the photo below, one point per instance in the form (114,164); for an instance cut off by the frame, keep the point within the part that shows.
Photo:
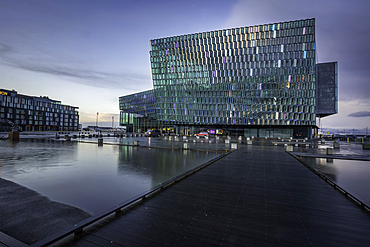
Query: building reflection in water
(159,164)
(323,165)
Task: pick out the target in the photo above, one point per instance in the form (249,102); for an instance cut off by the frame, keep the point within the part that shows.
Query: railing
(79,227)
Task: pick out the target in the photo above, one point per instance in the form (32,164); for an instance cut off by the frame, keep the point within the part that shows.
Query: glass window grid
(42,108)
(253,75)
(142,103)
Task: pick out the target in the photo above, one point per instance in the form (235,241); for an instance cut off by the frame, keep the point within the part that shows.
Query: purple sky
(88,53)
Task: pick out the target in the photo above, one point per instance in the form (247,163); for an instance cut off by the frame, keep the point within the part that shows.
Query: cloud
(78,72)
(360,114)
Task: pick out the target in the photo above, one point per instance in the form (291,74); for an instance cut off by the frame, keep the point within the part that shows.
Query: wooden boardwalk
(256,196)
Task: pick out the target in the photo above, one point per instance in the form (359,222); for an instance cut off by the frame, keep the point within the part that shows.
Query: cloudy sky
(87,53)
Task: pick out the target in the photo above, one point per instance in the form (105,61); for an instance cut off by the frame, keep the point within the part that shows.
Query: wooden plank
(257,197)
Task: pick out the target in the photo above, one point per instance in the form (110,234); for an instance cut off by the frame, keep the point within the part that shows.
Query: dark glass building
(36,113)
(326,89)
(137,111)
(251,81)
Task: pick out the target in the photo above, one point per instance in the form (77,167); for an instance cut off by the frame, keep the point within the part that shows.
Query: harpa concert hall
(260,81)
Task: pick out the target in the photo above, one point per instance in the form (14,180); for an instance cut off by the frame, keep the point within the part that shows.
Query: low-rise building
(33,113)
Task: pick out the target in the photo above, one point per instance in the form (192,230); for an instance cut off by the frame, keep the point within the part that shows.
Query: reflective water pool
(352,175)
(94,178)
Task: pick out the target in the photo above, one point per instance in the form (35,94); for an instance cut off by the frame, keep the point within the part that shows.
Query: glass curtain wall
(257,75)
(137,111)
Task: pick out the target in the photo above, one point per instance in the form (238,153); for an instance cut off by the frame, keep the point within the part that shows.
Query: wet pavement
(351,150)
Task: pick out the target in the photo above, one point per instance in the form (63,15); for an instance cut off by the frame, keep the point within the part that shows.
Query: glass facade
(36,113)
(137,111)
(326,89)
(252,81)
(248,76)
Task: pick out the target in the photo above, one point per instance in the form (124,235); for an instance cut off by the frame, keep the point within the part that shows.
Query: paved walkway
(256,196)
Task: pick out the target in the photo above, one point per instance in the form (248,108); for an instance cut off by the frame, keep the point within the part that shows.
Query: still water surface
(351,175)
(94,178)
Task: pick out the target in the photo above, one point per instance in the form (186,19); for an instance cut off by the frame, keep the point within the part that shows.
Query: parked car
(203,133)
(153,133)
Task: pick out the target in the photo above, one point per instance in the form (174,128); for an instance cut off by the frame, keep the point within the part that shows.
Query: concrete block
(249,142)
(13,136)
(136,143)
(227,141)
(366,146)
(185,146)
(234,145)
(336,145)
(289,148)
(100,141)
(329,151)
